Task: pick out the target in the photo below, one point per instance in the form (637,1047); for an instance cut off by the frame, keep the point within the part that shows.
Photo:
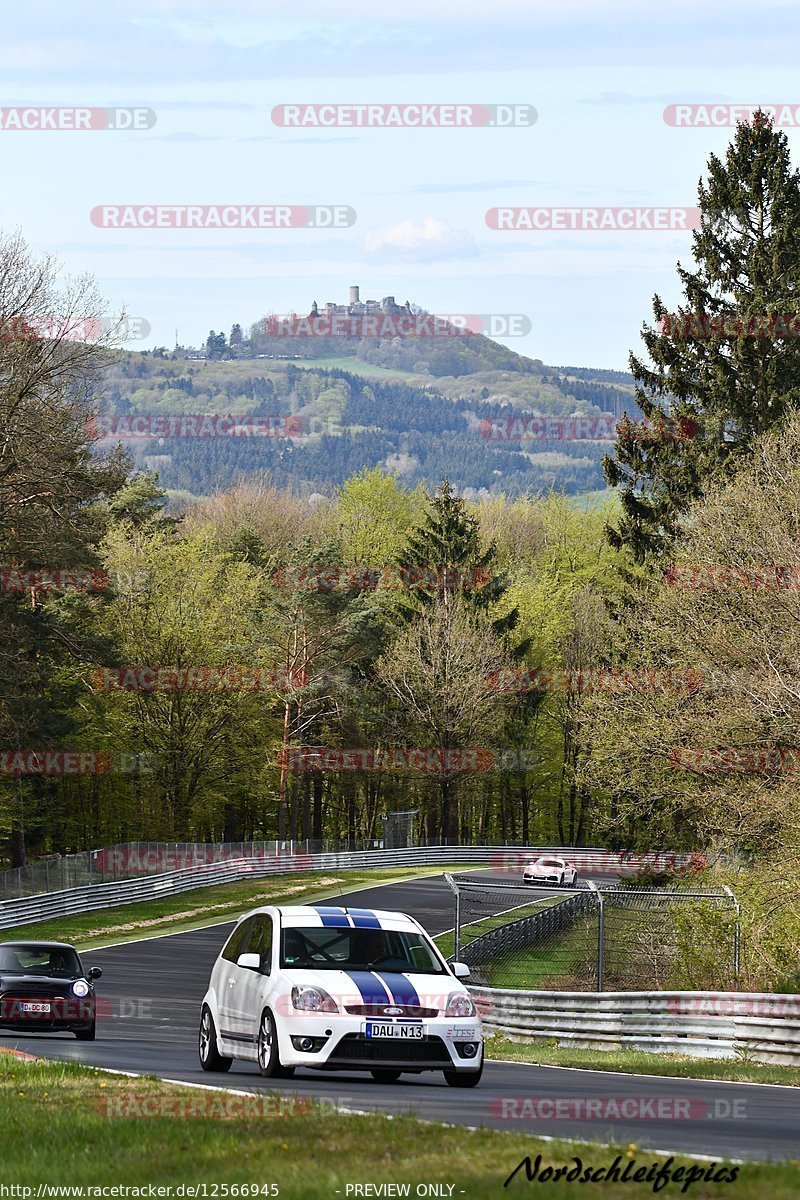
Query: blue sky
(599,77)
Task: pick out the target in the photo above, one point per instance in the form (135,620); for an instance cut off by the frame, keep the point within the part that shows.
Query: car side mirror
(460,970)
(94,972)
(250,962)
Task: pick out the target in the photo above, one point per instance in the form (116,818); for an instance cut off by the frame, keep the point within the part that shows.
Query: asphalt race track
(153,990)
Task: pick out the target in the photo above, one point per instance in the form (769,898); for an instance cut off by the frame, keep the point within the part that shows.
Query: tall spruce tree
(726,365)
(449,558)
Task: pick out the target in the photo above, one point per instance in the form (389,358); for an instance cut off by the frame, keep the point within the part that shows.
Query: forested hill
(348,414)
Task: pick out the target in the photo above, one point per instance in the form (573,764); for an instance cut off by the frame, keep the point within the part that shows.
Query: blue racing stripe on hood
(403,992)
(372,989)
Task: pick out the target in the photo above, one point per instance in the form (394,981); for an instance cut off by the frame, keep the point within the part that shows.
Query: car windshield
(60,961)
(358,949)
(550,862)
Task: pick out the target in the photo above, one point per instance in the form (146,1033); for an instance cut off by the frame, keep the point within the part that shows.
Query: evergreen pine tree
(447,551)
(717,380)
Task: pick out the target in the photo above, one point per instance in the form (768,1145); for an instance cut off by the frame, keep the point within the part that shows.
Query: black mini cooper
(44,988)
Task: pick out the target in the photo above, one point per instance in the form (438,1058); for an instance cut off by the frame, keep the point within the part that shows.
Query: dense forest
(347,422)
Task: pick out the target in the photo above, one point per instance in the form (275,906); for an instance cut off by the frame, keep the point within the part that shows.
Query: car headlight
(80,987)
(460,1004)
(313,999)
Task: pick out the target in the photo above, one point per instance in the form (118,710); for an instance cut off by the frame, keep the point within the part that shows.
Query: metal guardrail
(761,1027)
(30,909)
(132,860)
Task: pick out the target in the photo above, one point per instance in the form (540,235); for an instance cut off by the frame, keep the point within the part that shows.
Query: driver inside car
(373,947)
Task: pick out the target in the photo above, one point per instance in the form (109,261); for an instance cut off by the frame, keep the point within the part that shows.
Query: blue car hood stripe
(371,987)
(403,991)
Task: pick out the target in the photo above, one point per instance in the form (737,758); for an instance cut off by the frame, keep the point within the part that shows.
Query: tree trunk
(284,774)
(316,827)
(306,794)
(351,819)
(448,811)
(293,806)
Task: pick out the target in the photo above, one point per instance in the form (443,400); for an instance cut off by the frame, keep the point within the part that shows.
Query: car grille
(62,1008)
(354,1047)
(379,1010)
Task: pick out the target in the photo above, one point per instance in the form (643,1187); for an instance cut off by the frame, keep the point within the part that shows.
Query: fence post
(457,929)
(600,933)
(737,908)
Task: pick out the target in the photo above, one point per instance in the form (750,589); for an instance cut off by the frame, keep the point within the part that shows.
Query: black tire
(86,1035)
(464,1079)
(269,1062)
(210,1057)
(385,1075)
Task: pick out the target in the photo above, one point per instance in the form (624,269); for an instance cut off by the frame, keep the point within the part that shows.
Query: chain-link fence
(132,860)
(609,938)
(398,829)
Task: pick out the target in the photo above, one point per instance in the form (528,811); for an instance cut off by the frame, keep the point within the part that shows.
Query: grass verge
(470,930)
(547,1053)
(205,906)
(72,1126)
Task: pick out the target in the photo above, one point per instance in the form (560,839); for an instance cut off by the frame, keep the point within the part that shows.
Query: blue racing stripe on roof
(364,919)
(373,990)
(332,917)
(403,991)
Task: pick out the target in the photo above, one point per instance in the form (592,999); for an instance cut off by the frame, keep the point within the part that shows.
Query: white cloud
(421,241)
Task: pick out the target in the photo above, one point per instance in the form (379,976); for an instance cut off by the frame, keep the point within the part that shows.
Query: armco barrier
(30,909)
(764,1027)
(131,860)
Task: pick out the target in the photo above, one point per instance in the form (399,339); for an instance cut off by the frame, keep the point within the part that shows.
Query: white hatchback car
(339,989)
(550,869)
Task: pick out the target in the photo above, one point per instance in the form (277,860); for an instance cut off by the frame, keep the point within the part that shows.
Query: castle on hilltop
(359,308)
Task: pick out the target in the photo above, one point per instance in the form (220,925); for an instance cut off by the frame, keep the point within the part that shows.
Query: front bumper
(346,1046)
(66,1013)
